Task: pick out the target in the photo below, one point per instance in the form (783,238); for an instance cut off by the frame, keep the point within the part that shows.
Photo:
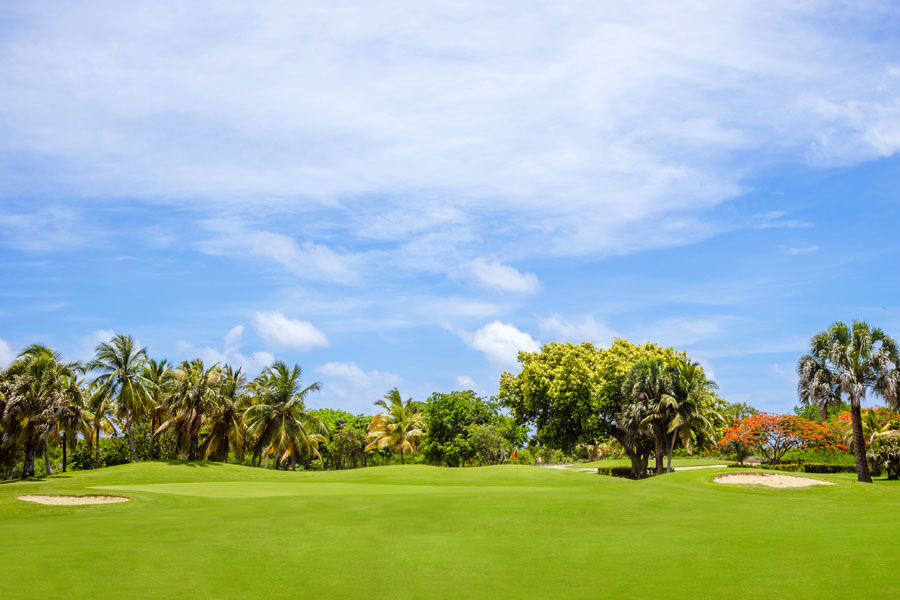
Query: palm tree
(278,423)
(817,385)
(694,416)
(225,420)
(851,361)
(99,413)
(399,427)
(157,378)
(121,363)
(35,386)
(649,384)
(76,417)
(193,394)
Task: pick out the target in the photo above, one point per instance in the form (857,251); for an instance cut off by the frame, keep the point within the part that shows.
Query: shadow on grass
(188,463)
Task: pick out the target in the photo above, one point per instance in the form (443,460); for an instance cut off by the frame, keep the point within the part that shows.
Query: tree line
(194,411)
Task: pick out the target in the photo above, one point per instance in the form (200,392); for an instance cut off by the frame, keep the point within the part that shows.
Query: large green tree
(35,387)
(849,361)
(399,427)
(447,419)
(224,420)
(278,422)
(120,363)
(194,393)
(574,394)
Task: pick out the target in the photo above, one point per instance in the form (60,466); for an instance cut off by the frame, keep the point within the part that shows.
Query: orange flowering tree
(773,436)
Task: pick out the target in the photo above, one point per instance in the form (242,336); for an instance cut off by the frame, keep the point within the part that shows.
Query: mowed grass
(676,462)
(220,531)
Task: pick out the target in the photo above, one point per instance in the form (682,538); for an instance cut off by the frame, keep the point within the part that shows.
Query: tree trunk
(28,462)
(402,462)
(671,452)
(267,462)
(638,465)
(659,451)
(153,438)
(47,468)
(97,458)
(64,444)
(131,443)
(859,442)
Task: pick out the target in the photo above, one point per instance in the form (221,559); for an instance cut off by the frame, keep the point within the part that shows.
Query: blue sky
(404,195)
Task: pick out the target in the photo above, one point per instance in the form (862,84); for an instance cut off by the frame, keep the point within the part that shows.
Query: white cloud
(501,343)
(309,260)
(585,330)
(503,278)
(6,354)
(285,332)
(230,353)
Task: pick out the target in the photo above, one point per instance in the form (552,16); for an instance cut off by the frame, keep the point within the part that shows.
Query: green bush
(828,468)
(616,472)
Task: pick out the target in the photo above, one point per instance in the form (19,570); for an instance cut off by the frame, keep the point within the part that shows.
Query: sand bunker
(72,500)
(769,479)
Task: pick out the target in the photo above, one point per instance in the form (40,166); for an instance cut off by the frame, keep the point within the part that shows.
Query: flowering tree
(773,436)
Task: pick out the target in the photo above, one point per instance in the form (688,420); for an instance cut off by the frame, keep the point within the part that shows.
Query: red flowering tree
(773,436)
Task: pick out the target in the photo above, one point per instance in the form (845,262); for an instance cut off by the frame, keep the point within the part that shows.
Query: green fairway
(221,531)
(676,462)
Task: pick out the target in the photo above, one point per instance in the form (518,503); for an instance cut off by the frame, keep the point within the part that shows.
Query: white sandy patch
(72,500)
(769,479)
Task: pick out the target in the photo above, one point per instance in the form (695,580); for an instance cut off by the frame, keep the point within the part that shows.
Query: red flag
(515,453)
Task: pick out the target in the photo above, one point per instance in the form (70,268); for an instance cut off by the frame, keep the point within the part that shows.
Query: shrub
(624,472)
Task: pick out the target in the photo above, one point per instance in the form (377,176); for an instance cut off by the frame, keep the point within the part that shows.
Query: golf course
(208,530)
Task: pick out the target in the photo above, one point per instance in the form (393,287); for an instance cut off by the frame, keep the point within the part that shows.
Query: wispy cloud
(504,278)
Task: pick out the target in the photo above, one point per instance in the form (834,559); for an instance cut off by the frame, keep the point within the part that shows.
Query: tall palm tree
(400,427)
(158,380)
(76,417)
(694,416)
(100,415)
(35,387)
(851,361)
(649,384)
(193,394)
(225,422)
(121,363)
(278,422)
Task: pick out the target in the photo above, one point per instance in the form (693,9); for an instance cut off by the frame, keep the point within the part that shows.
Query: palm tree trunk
(153,438)
(659,451)
(64,444)
(28,462)
(267,462)
(47,468)
(859,442)
(97,455)
(131,443)
(671,452)
(402,462)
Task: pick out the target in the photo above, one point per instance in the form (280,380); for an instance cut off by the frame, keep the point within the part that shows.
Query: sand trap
(72,500)
(769,479)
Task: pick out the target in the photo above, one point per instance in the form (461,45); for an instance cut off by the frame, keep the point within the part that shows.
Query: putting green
(223,531)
